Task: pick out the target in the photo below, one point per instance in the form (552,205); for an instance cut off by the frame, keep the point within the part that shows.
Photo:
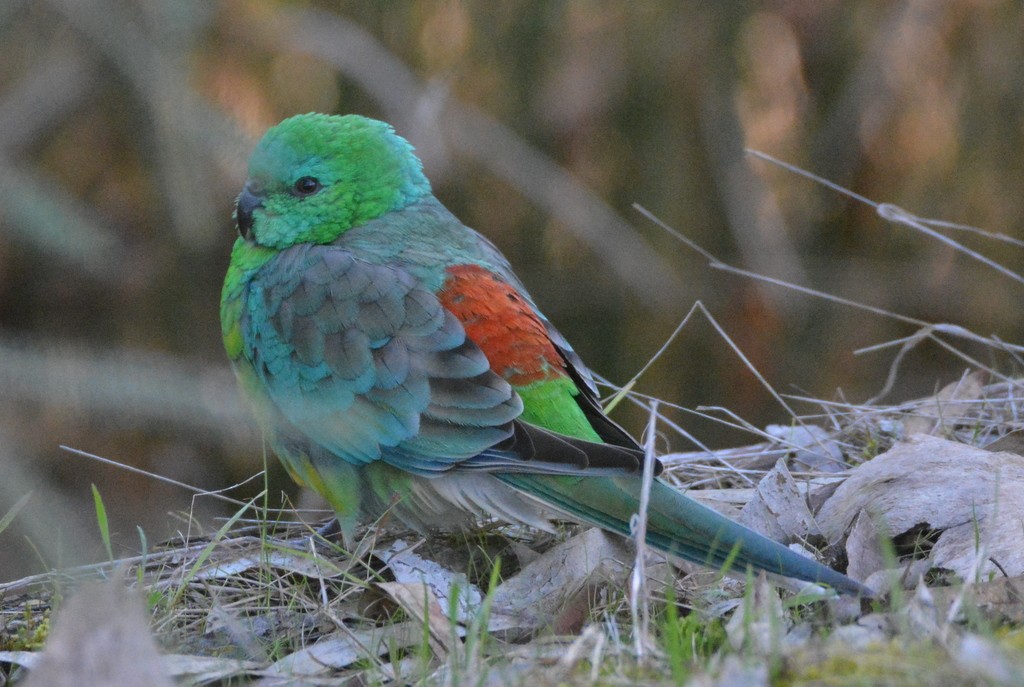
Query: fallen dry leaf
(970,494)
(206,669)
(778,509)
(417,599)
(534,598)
(299,562)
(814,449)
(1012,442)
(947,408)
(904,577)
(758,625)
(409,567)
(863,549)
(999,601)
(341,649)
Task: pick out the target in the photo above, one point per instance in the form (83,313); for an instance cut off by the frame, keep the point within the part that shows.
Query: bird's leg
(330,530)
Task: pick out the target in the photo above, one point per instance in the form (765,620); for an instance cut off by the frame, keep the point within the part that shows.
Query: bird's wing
(588,399)
(370,365)
(527,350)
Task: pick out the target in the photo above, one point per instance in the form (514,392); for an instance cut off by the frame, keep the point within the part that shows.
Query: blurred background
(125,127)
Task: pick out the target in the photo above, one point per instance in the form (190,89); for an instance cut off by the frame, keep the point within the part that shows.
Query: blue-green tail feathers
(677,526)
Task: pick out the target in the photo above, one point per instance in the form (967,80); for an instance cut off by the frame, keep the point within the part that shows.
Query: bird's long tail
(676,525)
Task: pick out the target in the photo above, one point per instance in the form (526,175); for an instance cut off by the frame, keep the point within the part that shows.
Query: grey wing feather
(368,364)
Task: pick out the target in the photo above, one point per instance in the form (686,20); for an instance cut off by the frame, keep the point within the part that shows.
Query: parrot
(397,365)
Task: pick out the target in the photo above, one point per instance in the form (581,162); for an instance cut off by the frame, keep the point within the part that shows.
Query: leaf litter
(317,614)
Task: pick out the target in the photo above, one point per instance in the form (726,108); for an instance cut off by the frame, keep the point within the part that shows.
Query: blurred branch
(359,56)
(131,387)
(57,223)
(839,142)
(155,63)
(33,205)
(754,218)
(36,207)
(44,96)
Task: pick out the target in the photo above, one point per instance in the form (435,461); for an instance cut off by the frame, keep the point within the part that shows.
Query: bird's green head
(315,176)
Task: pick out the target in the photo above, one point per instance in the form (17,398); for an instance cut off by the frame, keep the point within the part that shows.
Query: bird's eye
(306,186)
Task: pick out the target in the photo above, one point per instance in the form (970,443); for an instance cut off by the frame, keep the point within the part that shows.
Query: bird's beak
(248,201)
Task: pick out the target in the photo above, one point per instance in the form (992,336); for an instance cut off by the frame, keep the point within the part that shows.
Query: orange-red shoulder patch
(502,324)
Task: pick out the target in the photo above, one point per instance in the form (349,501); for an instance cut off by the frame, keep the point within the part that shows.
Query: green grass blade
(208,549)
(101,520)
(13,512)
